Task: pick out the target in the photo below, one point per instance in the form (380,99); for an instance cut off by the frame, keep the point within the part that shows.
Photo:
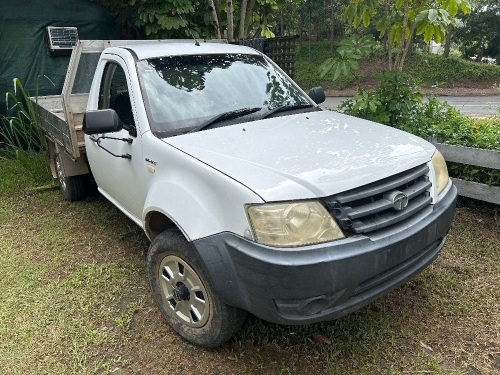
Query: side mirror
(101,121)
(317,94)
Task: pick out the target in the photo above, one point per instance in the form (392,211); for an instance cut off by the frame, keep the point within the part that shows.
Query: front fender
(200,200)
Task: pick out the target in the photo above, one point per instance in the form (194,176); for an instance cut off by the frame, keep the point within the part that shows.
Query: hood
(308,155)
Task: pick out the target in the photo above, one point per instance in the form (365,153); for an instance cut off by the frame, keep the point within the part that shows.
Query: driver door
(115,162)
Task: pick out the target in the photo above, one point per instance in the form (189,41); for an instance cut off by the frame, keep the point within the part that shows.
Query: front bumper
(325,281)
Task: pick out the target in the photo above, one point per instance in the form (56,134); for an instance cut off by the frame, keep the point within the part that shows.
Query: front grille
(370,207)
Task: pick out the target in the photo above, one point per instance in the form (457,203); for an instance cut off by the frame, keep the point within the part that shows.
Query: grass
(75,300)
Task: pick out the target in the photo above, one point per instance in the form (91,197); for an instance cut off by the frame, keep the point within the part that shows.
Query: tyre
(186,299)
(71,188)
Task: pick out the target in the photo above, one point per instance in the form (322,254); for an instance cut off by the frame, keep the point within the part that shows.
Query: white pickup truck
(255,199)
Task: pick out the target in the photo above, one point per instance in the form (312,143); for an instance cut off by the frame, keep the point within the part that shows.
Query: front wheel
(184,295)
(72,188)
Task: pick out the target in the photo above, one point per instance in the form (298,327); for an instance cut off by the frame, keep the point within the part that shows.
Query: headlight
(440,170)
(292,224)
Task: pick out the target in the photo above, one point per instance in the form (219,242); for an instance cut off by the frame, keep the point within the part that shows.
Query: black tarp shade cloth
(24,51)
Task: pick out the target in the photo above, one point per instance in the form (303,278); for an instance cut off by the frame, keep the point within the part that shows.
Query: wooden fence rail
(479,158)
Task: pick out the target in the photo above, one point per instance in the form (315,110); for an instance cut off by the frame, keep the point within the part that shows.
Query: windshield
(182,92)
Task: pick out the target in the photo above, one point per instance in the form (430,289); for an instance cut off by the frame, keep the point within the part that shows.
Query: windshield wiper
(224,116)
(286,107)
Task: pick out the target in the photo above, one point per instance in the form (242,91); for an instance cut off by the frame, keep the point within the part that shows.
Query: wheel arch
(156,222)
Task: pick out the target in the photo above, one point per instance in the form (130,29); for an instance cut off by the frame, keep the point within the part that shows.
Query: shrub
(434,69)
(395,102)
(24,139)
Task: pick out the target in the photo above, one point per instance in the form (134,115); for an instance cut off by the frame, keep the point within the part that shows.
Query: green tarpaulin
(24,51)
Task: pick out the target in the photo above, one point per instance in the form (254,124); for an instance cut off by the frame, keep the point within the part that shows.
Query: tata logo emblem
(398,199)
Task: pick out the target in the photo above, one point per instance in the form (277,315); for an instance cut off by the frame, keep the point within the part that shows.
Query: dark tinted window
(114,93)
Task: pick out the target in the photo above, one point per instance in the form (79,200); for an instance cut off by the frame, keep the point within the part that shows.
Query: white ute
(255,199)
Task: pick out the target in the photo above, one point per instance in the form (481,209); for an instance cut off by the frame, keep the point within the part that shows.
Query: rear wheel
(184,295)
(72,188)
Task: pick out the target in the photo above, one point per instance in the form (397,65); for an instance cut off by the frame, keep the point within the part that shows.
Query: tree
(320,17)
(196,18)
(171,19)
(254,17)
(480,35)
(401,20)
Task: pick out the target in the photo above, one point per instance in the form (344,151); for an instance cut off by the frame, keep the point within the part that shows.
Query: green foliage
(366,105)
(345,61)
(361,45)
(320,51)
(432,24)
(20,131)
(396,102)
(307,66)
(480,35)
(171,19)
(191,18)
(435,69)
(359,12)
(442,121)
(343,64)
(318,17)
(428,69)
(23,138)
(400,20)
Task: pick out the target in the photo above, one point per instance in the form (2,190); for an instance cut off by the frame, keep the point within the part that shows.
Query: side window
(114,93)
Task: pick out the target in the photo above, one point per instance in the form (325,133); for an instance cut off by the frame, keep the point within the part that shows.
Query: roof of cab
(164,48)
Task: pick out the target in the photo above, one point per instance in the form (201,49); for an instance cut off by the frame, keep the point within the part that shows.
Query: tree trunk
(249,17)
(447,43)
(411,43)
(332,32)
(243,16)
(389,50)
(215,19)
(309,39)
(260,28)
(388,35)
(300,28)
(407,47)
(398,65)
(282,23)
(230,21)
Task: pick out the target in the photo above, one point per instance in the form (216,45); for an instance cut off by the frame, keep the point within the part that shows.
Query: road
(476,106)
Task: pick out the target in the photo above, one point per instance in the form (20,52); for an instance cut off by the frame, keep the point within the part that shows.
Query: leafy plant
(345,62)
(395,101)
(361,45)
(20,130)
(366,105)
(24,139)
